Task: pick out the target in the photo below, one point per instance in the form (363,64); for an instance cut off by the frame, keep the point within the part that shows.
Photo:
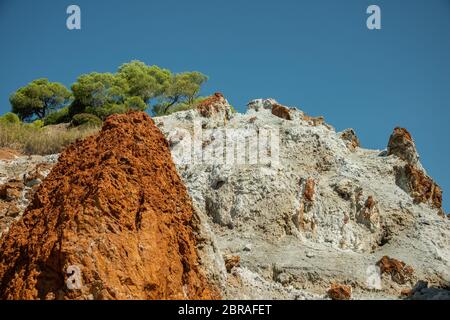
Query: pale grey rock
(336,237)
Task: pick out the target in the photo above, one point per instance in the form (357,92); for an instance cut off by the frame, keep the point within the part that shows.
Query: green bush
(135,103)
(10,118)
(38,123)
(106,110)
(60,116)
(86,119)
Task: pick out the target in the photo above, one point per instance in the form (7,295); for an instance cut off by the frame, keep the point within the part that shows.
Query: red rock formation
(411,177)
(398,270)
(314,121)
(370,203)
(281,111)
(309,189)
(402,145)
(420,186)
(350,137)
(214,104)
(340,292)
(303,220)
(111,221)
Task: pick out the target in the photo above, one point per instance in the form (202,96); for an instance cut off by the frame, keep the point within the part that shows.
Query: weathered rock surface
(20,177)
(396,269)
(351,138)
(340,292)
(112,220)
(326,211)
(402,145)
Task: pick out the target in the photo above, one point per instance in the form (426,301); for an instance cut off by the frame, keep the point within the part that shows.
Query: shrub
(86,119)
(37,123)
(135,103)
(57,117)
(10,117)
(105,111)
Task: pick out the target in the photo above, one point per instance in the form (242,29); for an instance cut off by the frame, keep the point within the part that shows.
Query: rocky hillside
(283,207)
(326,211)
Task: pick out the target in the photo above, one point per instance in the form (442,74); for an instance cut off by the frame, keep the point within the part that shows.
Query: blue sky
(316,55)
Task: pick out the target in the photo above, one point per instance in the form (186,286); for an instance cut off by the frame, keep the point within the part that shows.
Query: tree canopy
(38,99)
(145,82)
(135,86)
(97,89)
(183,87)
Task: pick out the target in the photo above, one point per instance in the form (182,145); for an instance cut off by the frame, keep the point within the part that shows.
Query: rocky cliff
(319,210)
(295,209)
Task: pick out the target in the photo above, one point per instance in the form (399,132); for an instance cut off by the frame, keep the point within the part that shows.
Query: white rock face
(326,210)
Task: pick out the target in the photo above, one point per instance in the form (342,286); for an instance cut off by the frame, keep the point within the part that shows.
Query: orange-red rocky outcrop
(112,220)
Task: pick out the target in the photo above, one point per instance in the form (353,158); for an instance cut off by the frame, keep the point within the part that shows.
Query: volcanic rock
(340,292)
(215,105)
(420,186)
(281,112)
(402,145)
(350,213)
(398,270)
(111,221)
(349,136)
(356,208)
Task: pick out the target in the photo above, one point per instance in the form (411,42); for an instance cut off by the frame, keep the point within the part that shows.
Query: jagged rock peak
(214,105)
(402,145)
(350,137)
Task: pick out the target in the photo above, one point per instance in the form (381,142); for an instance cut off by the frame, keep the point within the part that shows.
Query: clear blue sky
(317,55)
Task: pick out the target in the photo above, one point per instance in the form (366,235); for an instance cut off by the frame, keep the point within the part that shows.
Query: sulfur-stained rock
(349,136)
(111,221)
(402,145)
(399,271)
(340,292)
(420,186)
(309,189)
(369,214)
(215,105)
(314,121)
(281,112)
